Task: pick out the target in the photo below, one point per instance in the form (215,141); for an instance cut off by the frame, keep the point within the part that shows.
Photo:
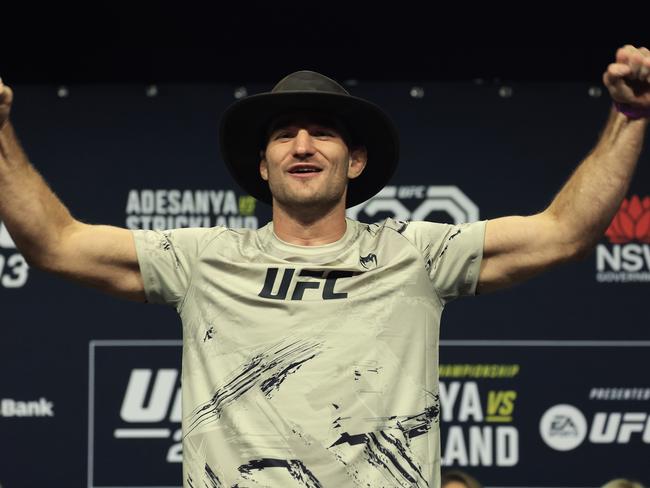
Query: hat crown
(308,81)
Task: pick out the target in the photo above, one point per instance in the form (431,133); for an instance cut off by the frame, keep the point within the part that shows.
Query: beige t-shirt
(311,366)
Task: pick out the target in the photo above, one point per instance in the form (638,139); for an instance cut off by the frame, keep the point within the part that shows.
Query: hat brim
(244,124)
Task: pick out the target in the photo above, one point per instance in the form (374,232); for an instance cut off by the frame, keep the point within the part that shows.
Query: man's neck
(309,231)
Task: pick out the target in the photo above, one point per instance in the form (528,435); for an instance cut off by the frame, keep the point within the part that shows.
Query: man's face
(307,162)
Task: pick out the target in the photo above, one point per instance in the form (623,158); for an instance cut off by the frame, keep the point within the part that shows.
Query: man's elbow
(580,250)
(42,260)
(570,243)
(36,255)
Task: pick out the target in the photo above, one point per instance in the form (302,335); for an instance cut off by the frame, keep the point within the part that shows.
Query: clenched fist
(6,97)
(628,78)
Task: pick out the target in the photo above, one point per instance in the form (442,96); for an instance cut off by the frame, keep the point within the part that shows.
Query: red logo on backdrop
(632,222)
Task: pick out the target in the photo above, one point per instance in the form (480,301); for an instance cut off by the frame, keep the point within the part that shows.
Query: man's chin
(307,202)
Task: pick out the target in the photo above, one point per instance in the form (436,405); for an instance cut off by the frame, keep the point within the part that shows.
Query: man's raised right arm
(47,235)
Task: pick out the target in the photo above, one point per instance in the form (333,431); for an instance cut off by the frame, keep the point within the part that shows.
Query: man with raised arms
(310,345)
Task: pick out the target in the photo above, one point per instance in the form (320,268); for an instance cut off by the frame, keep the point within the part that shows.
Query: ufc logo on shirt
(300,286)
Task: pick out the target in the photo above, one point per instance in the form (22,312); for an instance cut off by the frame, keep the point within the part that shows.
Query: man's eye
(323,133)
(283,135)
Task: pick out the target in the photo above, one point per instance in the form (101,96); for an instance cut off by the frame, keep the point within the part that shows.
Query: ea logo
(563,427)
(390,200)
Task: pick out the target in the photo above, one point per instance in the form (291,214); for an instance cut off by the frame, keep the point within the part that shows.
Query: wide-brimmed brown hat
(244,126)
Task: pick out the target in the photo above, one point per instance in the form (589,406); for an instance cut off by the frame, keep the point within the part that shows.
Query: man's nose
(303,144)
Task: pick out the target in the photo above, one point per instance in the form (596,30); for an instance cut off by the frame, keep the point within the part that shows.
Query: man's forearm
(32,213)
(589,200)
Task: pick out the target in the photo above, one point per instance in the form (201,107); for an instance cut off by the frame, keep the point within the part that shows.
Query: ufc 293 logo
(324,283)
(417,202)
(134,418)
(14,269)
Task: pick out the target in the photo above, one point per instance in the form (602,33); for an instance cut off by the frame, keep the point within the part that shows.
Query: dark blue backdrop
(117,156)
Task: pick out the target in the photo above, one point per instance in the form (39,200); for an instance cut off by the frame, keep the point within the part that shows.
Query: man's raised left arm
(517,248)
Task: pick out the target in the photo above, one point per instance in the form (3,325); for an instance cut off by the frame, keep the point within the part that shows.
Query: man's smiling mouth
(304,170)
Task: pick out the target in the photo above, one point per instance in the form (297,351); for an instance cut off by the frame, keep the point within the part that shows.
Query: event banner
(546,411)
(503,417)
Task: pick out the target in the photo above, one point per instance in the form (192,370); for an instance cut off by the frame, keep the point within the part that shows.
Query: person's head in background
(456,478)
(622,483)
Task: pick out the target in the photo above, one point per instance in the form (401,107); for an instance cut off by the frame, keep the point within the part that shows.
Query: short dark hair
(622,483)
(324,118)
(460,476)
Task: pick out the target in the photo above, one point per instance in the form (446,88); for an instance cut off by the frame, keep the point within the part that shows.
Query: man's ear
(264,167)
(357,162)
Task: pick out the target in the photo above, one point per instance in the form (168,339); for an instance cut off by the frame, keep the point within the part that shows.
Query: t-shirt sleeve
(167,259)
(452,255)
